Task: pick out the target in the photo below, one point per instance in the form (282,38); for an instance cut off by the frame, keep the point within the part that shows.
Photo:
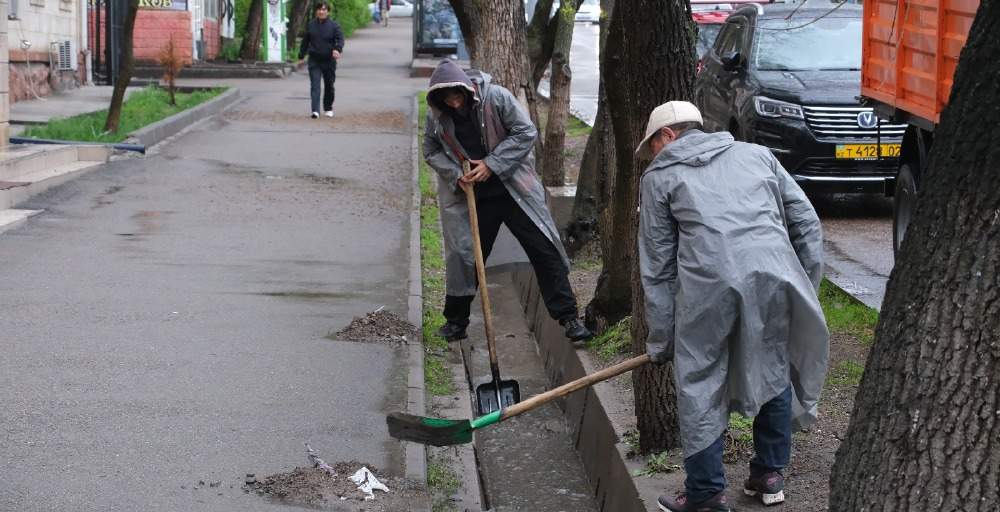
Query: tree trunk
(554,154)
(925,432)
(495,36)
(300,14)
(125,72)
(650,60)
(591,186)
(251,40)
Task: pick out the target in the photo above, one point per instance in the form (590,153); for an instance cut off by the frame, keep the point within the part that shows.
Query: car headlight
(766,107)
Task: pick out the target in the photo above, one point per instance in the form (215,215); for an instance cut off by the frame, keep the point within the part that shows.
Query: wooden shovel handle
(569,387)
(477,249)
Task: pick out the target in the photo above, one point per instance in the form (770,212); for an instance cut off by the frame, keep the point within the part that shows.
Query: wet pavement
(165,320)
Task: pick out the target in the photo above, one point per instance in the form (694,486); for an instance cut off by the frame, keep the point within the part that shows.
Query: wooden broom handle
(477,249)
(569,387)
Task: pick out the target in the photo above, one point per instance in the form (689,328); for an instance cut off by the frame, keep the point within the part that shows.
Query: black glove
(661,358)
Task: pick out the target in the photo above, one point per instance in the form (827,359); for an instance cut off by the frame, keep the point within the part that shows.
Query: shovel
(444,432)
(495,395)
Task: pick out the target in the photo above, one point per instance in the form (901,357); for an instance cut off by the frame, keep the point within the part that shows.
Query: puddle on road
(305,295)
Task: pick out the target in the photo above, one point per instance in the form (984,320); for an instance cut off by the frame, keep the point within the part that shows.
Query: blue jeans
(325,71)
(772,441)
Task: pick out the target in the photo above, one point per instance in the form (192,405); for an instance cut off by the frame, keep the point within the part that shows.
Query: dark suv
(789,79)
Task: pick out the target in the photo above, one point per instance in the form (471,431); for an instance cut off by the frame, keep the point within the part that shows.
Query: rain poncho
(510,139)
(730,252)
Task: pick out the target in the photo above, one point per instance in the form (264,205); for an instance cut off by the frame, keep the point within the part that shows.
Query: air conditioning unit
(66,53)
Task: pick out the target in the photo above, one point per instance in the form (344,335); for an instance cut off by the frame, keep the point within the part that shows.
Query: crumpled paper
(367,483)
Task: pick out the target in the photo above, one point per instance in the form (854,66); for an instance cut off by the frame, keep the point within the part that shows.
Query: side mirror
(733,61)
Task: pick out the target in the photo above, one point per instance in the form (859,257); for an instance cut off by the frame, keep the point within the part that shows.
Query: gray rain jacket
(510,139)
(730,255)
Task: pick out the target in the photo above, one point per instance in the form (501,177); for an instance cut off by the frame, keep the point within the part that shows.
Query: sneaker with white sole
(770,487)
(315,115)
(329,113)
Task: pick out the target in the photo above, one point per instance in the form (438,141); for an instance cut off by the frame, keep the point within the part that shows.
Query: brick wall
(153,30)
(211,31)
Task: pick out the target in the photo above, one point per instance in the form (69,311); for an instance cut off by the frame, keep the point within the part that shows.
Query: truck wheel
(904,203)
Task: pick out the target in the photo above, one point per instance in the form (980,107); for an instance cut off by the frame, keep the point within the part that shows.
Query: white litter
(367,483)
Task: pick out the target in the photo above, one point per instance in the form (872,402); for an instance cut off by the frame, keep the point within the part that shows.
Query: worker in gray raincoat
(730,255)
(472,119)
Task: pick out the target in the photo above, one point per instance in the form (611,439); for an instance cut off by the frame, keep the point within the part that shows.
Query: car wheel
(903,205)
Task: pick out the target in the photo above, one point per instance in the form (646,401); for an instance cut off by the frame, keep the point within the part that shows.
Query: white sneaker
(329,113)
(315,115)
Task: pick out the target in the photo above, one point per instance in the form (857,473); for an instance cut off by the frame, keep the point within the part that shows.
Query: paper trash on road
(318,462)
(367,483)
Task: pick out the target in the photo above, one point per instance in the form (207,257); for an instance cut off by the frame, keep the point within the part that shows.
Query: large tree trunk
(554,154)
(650,59)
(591,186)
(125,72)
(925,432)
(494,34)
(300,14)
(251,40)
(541,40)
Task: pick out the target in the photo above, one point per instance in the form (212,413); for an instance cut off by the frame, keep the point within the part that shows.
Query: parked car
(589,12)
(400,9)
(789,79)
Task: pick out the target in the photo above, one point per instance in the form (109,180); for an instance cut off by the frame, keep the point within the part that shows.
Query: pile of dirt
(379,326)
(314,488)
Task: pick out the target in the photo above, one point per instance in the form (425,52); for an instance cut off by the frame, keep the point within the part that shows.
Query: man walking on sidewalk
(472,119)
(731,258)
(323,42)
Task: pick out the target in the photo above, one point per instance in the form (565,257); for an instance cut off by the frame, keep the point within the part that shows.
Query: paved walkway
(165,319)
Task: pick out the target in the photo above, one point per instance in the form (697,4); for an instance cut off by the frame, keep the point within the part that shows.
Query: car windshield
(706,37)
(831,43)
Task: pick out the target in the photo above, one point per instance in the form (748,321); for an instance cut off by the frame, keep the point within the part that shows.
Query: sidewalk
(166,319)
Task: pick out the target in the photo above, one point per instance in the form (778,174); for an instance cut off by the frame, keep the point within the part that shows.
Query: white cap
(669,114)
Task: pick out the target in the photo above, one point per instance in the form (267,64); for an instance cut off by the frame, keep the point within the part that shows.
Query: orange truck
(910,51)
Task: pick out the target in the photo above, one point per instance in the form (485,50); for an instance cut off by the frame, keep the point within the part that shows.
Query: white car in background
(589,12)
(401,9)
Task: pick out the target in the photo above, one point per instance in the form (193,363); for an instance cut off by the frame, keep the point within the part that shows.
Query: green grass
(845,315)
(741,428)
(847,373)
(143,108)
(576,127)
(613,342)
(443,483)
(656,464)
(438,377)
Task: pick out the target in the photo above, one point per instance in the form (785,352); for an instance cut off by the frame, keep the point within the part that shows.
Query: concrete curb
(162,130)
(416,454)
(592,429)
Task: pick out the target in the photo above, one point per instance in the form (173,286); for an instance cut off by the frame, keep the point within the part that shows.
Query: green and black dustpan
(444,432)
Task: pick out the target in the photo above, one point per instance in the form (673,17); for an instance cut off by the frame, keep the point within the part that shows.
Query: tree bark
(554,153)
(125,72)
(925,432)
(250,50)
(650,60)
(591,186)
(494,33)
(541,40)
(300,14)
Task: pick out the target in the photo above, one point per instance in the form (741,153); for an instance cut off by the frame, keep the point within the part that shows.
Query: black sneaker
(575,330)
(680,503)
(770,487)
(452,332)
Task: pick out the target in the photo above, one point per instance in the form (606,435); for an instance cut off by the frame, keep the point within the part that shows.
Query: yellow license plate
(866,151)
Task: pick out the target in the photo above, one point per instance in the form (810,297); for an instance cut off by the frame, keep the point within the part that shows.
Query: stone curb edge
(416,454)
(164,129)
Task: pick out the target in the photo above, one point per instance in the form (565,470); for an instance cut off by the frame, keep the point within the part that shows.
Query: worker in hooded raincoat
(472,119)
(730,255)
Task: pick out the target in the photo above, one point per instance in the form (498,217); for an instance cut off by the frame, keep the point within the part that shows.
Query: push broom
(445,432)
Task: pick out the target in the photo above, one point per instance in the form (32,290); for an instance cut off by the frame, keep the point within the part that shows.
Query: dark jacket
(320,39)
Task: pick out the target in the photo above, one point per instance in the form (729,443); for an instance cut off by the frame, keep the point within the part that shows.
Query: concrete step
(29,170)
(10,219)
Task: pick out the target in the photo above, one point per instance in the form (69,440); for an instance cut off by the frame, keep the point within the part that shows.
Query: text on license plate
(866,151)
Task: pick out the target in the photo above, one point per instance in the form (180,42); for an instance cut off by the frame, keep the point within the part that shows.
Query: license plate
(867,151)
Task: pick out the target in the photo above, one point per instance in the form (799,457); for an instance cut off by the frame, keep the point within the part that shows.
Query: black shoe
(452,332)
(680,503)
(770,487)
(575,330)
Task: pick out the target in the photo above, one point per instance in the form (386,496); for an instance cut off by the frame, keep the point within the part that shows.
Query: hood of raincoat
(449,75)
(694,148)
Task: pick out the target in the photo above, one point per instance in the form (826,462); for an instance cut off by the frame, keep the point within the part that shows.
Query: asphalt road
(165,320)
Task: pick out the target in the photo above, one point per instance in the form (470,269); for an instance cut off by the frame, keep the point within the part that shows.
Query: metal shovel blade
(510,394)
